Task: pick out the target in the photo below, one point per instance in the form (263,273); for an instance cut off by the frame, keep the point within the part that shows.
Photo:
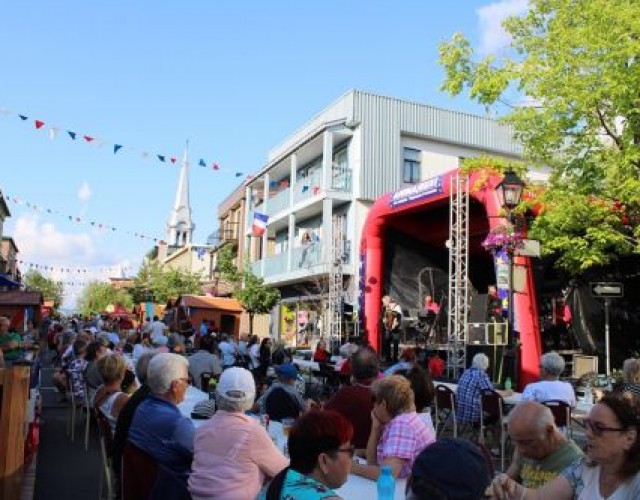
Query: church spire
(180,227)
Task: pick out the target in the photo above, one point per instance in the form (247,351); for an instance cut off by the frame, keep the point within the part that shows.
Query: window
(411,170)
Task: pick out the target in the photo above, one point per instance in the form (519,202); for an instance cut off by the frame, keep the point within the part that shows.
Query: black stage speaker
(477,333)
(478,311)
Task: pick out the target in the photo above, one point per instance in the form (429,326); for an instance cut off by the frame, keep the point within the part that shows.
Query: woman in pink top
(233,454)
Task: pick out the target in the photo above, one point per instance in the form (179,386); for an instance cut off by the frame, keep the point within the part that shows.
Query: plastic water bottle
(507,384)
(386,484)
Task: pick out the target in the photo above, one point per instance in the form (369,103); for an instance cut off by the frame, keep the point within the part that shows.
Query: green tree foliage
(157,284)
(255,296)
(576,62)
(250,290)
(51,290)
(96,296)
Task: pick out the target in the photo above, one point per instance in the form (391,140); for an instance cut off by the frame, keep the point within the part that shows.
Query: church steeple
(180,226)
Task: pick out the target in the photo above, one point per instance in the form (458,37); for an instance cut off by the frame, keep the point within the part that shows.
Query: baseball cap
(287,370)
(236,384)
(454,467)
(204,409)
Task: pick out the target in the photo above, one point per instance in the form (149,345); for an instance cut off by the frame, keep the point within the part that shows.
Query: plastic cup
(287,423)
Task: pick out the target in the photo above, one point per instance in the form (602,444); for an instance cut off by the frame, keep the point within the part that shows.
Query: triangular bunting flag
(216,166)
(23,118)
(39,124)
(238,174)
(53,132)
(116,148)
(305,189)
(173,160)
(88,138)
(161,158)
(202,163)
(72,134)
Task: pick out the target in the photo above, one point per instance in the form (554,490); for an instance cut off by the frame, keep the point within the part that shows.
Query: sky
(233,78)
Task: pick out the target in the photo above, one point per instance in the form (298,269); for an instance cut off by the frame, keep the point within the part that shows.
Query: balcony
(305,261)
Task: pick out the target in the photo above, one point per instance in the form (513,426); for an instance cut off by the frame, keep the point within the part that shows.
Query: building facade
(318,185)
(9,252)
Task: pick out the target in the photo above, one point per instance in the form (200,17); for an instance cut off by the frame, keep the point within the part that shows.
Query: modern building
(318,185)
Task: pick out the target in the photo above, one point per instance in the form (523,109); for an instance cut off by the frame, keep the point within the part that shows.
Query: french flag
(259,223)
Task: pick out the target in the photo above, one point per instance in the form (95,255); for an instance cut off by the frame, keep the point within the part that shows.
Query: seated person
(109,398)
(631,376)
(233,453)
(321,355)
(549,387)
(542,450)
(435,364)
(407,361)
(158,427)
(473,380)
(320,448)
(204,361)
(398,434)
(431,307)
(282,399)
(354,401)
(449,468)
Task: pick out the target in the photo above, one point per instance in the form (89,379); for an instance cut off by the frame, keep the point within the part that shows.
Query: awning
(4,281)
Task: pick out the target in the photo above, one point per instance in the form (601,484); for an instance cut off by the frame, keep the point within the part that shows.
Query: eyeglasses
(598,428)
(349,449)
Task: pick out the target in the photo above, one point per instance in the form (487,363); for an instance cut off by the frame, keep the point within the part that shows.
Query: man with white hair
(550,388)
(473,380)
(158,427)
(542,450)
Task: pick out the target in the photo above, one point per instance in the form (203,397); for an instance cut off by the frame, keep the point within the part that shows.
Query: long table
(513,399)
(191,398)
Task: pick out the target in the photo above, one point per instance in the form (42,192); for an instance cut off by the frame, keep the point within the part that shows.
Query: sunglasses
(350,450)
(598,428)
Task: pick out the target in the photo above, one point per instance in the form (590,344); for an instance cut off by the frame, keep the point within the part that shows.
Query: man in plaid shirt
(472,381)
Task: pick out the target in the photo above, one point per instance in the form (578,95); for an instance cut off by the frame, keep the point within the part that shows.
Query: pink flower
(502,238)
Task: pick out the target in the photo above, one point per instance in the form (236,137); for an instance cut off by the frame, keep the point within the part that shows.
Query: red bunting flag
(88,138)
(173,160)
(39,124)
(216,166)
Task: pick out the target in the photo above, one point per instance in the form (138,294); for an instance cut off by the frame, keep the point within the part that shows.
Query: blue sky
(234,78)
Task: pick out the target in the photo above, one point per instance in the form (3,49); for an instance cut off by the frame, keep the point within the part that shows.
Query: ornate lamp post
(509,192)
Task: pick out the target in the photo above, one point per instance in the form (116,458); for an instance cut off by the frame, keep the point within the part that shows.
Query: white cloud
(84,193)
(493,37)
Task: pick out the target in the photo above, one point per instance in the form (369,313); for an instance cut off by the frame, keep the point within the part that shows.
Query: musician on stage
(494,306)
(391,320)
(431,306)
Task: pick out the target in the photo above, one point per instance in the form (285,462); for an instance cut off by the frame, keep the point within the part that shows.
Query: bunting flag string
(53,130)
(73,269)
(79,220)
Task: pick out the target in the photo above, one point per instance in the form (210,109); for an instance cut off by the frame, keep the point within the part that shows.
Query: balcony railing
(305,258)
(308,187)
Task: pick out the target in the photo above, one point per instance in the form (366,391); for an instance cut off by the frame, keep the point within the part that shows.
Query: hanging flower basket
(503,238)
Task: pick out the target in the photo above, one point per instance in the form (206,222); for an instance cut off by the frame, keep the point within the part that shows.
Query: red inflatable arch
(408,211)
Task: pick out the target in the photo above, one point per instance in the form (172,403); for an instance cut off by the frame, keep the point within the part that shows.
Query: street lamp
(509,192)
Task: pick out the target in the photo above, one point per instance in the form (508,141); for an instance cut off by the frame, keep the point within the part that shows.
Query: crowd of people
(380,416)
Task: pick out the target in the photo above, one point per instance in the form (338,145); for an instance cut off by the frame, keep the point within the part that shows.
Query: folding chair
(491,412)
(445,402)
(561,414)
(71,410)
(88,415)
(106,445)
(138,474)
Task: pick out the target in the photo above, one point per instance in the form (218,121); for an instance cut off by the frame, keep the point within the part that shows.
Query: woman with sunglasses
(611,467)
(398,433)
(320,451)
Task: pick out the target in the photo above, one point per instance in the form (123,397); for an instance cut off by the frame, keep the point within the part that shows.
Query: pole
(606,333)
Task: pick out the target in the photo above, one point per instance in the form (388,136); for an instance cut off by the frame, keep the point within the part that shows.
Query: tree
(577,64)
(250,290)
(96,296)
(50,289)
(158,284)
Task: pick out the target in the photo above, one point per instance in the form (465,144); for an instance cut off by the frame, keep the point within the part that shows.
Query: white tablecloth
(192,396)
